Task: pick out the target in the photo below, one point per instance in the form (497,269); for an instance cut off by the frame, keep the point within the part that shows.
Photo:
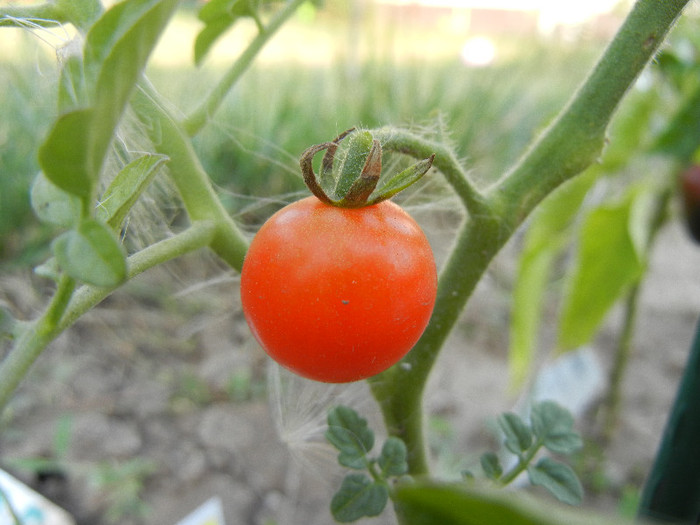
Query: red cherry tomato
(690,184)
(335,294)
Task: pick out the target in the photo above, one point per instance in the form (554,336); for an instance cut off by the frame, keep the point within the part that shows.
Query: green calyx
(350,180)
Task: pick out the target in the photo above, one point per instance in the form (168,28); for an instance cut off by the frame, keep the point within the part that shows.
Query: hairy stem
(404,141)
(186,171)
(567,147)
(61,313)
(197,236)
(199,118)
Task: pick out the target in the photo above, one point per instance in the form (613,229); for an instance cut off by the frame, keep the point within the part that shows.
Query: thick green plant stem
(672,490)
(188,175)
(67,306)
(199,118)
(573,142)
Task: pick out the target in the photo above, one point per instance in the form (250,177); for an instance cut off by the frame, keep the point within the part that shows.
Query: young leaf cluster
(362,493)
(551,427)
(95,87)
(351,170)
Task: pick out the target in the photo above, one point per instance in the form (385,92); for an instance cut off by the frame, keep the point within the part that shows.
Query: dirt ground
(159,399)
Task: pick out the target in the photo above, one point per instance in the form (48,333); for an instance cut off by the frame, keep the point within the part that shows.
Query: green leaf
(116,50)
(358,497)
(557,478)
(53,205)
(681,138)
(431,503)
(491,465)
(546,238)
(134,28)
(608,262)
(218,16)
(64,156)
(402,180)
(518,435)
(91,254)
(392,460)
(81,13)
(553,425)
(72,91)
(348,432)
(563,443)
(549,418)
(126,188)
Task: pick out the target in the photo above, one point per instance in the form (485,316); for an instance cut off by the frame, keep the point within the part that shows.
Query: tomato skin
(690,185)
(338,295)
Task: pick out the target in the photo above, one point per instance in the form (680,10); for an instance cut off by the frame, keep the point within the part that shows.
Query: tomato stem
(199,118)
(567,147)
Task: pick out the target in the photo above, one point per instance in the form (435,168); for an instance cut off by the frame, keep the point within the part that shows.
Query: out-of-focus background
(160,398)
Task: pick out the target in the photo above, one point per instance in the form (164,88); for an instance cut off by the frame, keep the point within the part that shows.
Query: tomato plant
(338,294)
(342,285)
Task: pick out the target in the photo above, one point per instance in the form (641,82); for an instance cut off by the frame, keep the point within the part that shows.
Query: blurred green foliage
(278,110)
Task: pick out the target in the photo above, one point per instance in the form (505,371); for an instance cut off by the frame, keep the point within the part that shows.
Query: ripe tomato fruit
(690,184)
(335,294)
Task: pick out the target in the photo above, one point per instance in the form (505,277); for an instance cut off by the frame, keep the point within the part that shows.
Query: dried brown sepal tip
(350,180)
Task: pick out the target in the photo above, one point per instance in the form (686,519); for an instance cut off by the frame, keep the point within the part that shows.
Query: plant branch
(523,462)
(186,171)
(567,147)
(403,141)
(35,336)
(197,236)
(198,119)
